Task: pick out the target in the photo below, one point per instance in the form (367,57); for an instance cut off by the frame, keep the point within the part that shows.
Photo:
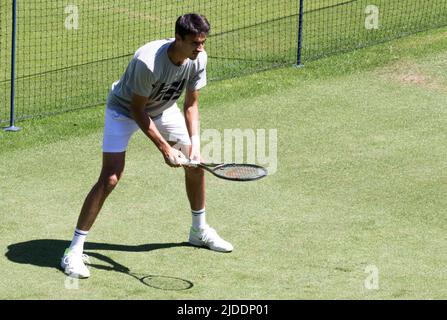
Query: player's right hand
(174,157)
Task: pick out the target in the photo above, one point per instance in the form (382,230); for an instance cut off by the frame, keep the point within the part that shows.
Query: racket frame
(212,167)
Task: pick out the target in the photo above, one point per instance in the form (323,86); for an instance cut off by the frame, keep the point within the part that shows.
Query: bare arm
(191,111)
(150,130)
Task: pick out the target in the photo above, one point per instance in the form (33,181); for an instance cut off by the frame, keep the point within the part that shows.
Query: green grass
(360,182)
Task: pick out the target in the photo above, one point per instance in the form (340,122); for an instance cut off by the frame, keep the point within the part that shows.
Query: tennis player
(145,98)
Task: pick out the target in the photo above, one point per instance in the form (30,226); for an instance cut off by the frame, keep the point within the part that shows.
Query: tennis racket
(231,171)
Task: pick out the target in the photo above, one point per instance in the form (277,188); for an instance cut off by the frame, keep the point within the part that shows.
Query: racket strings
(239,172)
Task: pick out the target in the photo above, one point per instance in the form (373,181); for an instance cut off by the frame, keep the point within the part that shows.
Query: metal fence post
(12,127)
(300,34)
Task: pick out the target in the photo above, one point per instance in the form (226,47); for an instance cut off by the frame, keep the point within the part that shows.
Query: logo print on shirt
(170,91)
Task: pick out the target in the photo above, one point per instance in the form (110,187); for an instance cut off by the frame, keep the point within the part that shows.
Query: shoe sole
(74,275)
(200,244)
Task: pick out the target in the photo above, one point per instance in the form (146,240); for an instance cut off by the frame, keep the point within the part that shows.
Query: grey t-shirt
(151,74)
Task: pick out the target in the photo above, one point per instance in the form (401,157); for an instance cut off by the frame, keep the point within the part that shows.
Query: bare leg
(112,169)
(194,182)
(195,187)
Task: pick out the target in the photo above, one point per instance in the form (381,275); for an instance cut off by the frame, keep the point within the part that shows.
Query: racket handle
(189,163)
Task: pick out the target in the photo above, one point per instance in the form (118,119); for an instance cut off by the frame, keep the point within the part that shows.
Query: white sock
(77,244)
(198,218)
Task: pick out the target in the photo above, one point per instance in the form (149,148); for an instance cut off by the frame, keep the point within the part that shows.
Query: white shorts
(118,129)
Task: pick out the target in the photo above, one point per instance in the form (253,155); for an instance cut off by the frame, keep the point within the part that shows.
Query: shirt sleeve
(198,77)
(139,78)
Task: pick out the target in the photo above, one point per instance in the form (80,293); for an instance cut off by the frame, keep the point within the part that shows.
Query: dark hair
(191,23)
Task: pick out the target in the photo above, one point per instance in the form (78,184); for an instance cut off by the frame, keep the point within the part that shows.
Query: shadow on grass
(48,252)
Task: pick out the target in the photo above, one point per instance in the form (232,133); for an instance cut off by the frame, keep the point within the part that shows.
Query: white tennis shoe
(208,237)
(74,264)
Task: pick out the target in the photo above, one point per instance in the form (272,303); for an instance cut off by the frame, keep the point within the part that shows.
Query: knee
(109,182)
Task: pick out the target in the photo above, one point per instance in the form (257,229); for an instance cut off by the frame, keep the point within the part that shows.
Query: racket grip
(189,163)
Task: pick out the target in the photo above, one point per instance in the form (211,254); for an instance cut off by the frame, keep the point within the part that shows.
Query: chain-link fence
(69,52)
